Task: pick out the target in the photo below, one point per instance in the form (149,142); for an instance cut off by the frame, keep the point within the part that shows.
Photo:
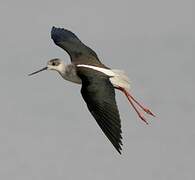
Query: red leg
(129,98)
(141,106)
(137,111)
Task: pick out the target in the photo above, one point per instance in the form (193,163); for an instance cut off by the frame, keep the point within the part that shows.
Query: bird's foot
(148,112)
(131,100)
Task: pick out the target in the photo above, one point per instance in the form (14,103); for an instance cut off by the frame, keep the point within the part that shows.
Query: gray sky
(46,131)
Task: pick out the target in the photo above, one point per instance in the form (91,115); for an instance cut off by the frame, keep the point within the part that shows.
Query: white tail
(120,79)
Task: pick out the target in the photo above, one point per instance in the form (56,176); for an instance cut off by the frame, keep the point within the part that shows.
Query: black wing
(77,51)
(99,96)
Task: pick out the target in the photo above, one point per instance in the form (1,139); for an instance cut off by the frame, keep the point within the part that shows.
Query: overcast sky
(46,131)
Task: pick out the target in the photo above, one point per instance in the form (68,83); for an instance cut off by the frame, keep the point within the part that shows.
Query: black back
(99,96)
(78,52)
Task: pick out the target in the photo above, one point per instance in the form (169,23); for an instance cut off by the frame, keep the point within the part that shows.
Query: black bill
(43,69)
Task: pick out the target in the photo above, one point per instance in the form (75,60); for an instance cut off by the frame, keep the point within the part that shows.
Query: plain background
(46,131)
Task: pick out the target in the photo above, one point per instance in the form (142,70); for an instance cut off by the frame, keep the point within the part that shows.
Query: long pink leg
(129,98)
(141,106)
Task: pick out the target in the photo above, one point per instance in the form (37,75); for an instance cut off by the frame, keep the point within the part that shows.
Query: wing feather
(99,95)
(78,51)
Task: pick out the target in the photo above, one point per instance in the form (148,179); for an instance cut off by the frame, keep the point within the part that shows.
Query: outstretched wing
(99,96)
(78,52)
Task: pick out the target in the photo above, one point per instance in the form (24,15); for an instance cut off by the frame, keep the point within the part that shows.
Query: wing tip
(56,33)
(61,34)
(53,29)
(119,149)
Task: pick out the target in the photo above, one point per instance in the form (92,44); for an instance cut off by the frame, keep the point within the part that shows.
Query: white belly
(70,74)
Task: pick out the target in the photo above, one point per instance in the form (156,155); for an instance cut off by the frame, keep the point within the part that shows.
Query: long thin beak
(43,69)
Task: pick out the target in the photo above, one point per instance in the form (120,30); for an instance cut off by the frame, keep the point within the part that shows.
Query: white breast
(69,74)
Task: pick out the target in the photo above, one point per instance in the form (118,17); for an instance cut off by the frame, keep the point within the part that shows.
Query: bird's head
(53,64)
(56,65)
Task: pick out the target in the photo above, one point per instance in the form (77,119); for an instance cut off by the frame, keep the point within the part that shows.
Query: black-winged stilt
(98,83)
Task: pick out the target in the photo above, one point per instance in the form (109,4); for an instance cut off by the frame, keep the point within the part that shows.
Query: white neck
(68,72)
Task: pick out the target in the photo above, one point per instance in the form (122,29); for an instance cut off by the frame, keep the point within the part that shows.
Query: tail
(120,79)
(121,82)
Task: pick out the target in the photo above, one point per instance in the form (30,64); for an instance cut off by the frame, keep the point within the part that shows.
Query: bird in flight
(98,83)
